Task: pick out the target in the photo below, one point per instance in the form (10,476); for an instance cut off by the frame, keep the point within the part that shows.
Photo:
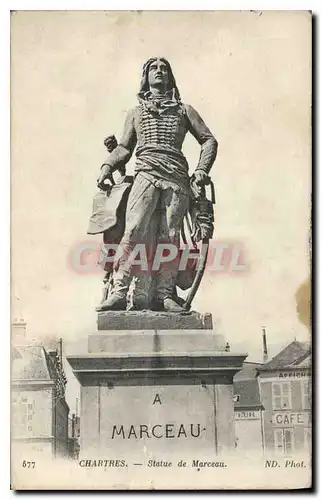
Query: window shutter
(276,396)
(286,395)
(305,395)
(22,416)
(289,441)
(278,440)
(307,439)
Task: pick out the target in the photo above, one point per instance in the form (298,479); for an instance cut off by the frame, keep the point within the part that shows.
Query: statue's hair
(144,87)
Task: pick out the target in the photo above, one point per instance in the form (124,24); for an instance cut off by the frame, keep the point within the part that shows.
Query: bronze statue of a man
(161,192)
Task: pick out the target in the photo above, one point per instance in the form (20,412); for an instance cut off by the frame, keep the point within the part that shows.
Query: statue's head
(157,70)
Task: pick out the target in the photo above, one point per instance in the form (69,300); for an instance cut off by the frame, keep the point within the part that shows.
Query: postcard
(161,250)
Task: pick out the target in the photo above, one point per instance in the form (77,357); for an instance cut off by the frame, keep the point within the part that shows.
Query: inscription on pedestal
(161,419)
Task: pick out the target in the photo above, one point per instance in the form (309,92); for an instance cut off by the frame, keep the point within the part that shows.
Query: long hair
(144,86)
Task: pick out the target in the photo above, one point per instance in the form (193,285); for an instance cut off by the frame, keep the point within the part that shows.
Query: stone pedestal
(151,390)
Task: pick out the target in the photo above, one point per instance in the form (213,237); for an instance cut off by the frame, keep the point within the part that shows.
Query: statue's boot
(166,299)
(170,305)
(114,303)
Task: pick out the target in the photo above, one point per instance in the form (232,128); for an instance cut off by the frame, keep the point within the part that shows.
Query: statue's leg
(174,205)
(142,279)
(141,205)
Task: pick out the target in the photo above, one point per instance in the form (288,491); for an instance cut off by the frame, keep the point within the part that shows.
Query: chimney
(73,425)
(19,327)
(61,351)
(265,353)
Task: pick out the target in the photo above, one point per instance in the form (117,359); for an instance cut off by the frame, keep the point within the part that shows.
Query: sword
(203,259)
(199,275)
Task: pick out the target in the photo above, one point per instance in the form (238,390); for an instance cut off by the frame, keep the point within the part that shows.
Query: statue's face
(158,73)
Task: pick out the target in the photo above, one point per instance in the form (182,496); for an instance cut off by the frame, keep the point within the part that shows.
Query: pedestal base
(152,320)
(154,393)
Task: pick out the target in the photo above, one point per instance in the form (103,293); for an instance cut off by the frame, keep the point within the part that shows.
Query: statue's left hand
(105,173)
(200,178)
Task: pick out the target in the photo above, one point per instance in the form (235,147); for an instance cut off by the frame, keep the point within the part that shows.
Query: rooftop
(249,371)
(248,394)
(291,356)
(34,363)
(30,362)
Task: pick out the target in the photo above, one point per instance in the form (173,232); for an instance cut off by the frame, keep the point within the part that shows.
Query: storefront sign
(284,419)
(247,415)
(293,374)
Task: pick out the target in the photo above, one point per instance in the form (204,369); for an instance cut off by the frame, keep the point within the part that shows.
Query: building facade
(285,392)
(74,436)
(248,410)
(273,403)
(39,415)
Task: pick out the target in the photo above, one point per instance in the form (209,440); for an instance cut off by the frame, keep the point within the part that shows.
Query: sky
(75,74)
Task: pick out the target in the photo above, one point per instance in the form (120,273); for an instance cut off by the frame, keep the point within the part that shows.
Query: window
(281,396)
(278,441)
(22,416)
(305,395)
(307,439)
(288,441)
(284,441)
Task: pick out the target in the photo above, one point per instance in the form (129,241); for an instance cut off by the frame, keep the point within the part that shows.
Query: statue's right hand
(106,172)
